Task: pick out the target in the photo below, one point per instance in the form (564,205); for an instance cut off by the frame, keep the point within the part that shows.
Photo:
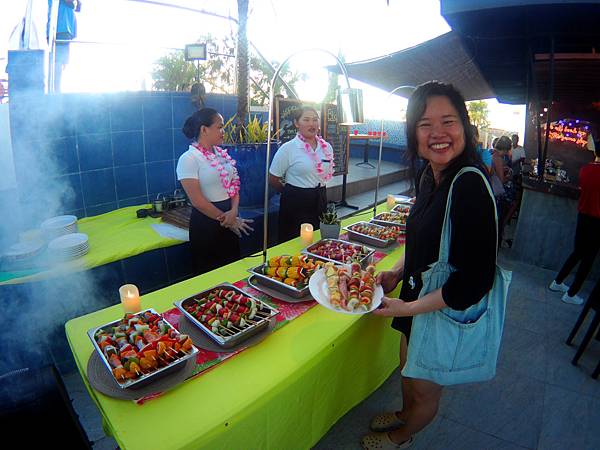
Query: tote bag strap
(447,226)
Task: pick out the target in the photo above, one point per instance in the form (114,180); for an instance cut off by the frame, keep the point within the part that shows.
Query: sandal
(385,422)
(382,441)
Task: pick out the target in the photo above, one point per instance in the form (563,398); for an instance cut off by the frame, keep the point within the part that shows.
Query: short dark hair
(298,113)
(503,144)
(203,117)
(415,110)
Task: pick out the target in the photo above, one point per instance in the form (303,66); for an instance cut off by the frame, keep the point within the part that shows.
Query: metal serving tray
(364,262)
(228,341)
(146,378)
(278,285)
(403,199)
(365,238)
(377,220)
(400,206)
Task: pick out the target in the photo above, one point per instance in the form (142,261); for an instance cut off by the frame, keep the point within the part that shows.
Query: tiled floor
(537,400)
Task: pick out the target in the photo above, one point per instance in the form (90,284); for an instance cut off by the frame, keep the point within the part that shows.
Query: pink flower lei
(324,176)
(230,184)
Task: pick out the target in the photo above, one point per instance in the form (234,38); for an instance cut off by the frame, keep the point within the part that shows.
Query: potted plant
(330,223)
(248,147)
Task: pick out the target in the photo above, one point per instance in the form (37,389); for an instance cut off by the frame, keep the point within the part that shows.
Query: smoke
(35,313)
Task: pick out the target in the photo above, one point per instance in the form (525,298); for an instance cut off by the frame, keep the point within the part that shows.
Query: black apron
(212,245)
(298,206)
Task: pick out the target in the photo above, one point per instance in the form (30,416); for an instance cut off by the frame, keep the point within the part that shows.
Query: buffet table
(285,392)
(113,236)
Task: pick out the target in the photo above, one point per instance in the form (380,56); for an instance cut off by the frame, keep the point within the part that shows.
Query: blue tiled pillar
(26,72)
(27,85)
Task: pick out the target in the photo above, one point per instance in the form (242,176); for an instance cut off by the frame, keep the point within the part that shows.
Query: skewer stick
(231,333)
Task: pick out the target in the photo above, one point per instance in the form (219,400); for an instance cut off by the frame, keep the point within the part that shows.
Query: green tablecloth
(284,393)
(115,235)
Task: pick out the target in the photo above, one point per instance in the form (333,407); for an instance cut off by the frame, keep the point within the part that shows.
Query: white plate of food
(346,291)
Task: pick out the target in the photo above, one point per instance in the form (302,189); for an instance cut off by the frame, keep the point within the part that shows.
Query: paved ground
(538,400)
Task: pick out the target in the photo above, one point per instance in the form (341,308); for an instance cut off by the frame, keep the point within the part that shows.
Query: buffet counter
(113,236)
(550,187)
(285,392)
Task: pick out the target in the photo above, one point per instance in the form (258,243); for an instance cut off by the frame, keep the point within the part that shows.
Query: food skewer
(139,344)
(227,312)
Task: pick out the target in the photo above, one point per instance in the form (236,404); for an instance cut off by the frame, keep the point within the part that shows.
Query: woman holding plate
(210,179)
(300,170)
(439,132)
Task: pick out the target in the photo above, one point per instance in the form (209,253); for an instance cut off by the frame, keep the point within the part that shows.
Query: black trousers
(212,245)
(298,206)
(587,244)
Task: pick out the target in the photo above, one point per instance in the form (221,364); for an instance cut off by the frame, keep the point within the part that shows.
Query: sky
(135,34)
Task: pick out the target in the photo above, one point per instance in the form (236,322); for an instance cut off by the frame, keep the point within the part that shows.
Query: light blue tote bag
(453,347)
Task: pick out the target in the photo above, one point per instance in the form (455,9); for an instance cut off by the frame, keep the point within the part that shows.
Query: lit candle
(130,298)
(306,233)
(391,201)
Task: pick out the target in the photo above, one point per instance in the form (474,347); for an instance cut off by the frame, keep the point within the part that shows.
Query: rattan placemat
(201,340)
(103,381)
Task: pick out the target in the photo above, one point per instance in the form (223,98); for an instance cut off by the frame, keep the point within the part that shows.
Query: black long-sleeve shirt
(472,245)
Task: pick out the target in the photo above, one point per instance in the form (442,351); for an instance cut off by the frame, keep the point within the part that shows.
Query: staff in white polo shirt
(300,170)
(210,179)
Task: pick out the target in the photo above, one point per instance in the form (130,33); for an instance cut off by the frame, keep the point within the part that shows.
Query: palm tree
(242,66)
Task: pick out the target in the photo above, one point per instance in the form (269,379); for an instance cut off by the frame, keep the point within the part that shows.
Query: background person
(438,130)
(66,30)
(517,156)
(587,234)
(484,153)
(210,179)
(502,183)
(300,170)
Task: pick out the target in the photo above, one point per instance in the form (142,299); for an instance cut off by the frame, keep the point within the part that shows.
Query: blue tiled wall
(100,152)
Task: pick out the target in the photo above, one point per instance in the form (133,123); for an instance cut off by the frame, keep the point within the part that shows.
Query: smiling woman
(438,131)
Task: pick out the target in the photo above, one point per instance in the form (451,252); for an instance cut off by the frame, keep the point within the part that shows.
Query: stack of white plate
(69,246)
(59,225)
(23,250)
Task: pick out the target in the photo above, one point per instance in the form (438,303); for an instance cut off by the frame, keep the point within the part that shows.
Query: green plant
(255,132)
(330,217)
(229,130)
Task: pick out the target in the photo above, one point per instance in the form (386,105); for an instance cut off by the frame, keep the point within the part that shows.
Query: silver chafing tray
(402,208)
(379,219)
(232,337)
(364,261)
(403,199)
(146,378)
(278,285)
(365,238)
